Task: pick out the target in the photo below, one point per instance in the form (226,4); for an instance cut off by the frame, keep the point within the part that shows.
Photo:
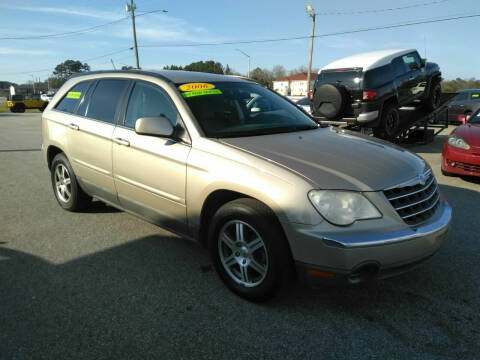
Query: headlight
(343,207)
(458,142)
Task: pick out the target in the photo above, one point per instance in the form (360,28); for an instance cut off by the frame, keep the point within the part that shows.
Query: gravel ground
(105,284)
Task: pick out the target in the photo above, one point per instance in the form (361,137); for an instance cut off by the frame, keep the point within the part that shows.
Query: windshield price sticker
(74,95)
(196,86)
(475,95)
(201,92)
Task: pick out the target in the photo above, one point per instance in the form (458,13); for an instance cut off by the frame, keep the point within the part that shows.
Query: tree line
(263,76)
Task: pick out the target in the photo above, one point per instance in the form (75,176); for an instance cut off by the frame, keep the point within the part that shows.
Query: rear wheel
(389,123)
(20,108)
(67,191)
(248,249)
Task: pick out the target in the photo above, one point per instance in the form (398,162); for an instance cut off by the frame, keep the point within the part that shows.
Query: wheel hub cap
(243,253)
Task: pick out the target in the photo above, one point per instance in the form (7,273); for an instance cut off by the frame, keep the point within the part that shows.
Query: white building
(293,85)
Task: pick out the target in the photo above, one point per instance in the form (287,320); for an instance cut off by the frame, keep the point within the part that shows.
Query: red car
(461,151)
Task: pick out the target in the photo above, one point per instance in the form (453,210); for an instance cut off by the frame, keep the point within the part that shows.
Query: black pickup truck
(368,89)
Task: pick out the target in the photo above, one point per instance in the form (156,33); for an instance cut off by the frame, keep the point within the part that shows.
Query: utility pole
(248,75)
(33,84)
(131,8)
(311,13)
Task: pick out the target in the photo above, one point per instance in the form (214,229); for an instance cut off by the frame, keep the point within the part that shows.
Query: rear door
(90,138)
(150,172)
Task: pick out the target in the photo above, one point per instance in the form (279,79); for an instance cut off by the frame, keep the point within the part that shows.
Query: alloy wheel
(63,183)
(243,253)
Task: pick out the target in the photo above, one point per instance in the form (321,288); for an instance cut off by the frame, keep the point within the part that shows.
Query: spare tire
(330,100)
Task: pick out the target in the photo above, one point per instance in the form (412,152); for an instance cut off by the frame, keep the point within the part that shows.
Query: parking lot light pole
(311,13)
(248,75)
(131,8)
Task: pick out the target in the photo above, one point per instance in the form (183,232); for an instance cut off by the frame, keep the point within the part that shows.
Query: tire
(434,97)
(330,100)
(65,186)
(13,110)
(249,250)
(389,122)
(19,108)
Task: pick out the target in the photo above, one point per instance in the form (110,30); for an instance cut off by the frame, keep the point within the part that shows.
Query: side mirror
(463,119)
(423,62)
(159,126)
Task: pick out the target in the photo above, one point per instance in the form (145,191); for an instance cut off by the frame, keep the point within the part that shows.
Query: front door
(150,172)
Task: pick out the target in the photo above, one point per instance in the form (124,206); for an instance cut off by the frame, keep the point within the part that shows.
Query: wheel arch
(214,201)
(53,151)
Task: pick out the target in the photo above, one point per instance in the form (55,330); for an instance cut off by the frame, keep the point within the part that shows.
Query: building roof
(294,77)
(175,76)
(367,61)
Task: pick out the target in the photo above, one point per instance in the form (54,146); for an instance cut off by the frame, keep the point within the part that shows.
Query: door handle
(74,126)
(121,141)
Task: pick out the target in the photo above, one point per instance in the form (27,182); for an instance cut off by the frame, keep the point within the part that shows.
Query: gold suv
(226,162)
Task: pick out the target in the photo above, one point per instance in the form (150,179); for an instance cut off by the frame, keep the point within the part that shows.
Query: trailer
(417,125)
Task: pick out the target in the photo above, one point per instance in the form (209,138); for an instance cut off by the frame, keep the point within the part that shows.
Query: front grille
(467,167)
(415,203)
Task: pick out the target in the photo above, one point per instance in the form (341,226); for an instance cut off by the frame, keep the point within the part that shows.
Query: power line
(76,32)
(381,10)
(50,69)
(383,27)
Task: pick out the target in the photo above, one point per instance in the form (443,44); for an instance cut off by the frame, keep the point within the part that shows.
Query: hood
(471,134)
(335,159)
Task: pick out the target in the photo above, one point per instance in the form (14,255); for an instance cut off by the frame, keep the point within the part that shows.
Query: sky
(451,44)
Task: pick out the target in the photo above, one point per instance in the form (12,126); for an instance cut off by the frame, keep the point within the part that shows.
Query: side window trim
(85,97)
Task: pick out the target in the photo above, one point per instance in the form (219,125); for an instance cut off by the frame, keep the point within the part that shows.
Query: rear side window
(377,77)
(105,99)
(149,101)
(72,97)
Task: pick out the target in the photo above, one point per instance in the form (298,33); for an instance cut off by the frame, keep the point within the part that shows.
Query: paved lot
(105,284)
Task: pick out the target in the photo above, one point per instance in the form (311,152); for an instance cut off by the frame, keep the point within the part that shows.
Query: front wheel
(434,97)
(67,191)
(248,249)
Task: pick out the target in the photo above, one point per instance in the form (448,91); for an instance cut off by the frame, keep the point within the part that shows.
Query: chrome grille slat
(429,196)
(412,193)
(415,203)
(426,209)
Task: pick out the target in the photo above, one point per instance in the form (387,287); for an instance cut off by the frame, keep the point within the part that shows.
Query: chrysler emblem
(422,178)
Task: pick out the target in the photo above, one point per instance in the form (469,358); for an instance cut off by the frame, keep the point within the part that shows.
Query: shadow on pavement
(155,297)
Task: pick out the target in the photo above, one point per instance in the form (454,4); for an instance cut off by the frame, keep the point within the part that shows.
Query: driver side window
(411,61)
(148,100)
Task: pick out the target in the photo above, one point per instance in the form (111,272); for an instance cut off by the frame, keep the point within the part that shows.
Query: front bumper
(343,254)
(459,161)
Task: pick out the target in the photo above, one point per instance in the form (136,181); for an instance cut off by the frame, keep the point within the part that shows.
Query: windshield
(234,109)
(475,119)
